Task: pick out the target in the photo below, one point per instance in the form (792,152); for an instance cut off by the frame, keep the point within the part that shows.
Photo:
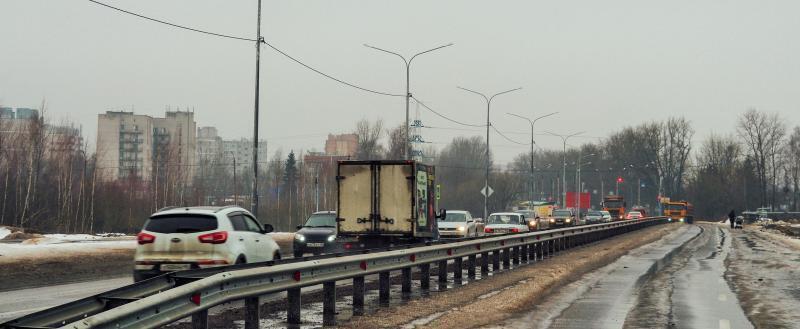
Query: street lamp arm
(544,116)
(429,50)
(475,92)
(388,52)
(503,92)
(521,117)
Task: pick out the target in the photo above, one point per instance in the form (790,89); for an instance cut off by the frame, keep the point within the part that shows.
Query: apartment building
(140,146)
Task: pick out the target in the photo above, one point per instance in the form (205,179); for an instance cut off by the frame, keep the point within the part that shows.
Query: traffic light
(619,179)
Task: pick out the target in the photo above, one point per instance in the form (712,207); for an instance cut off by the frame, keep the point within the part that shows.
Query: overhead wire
(443,116)
(248,39)
(506,137)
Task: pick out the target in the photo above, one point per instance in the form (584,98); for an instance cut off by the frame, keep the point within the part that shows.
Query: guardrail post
(200,320)
(506,258)
(384,285)
(471,267)
(425,276)
(406,277)
(484,264)
(496,260)
(458,269)
(293,310)
(329,303)
(525,253)
(251,313)
(442,274)
(358,295)
(515,255)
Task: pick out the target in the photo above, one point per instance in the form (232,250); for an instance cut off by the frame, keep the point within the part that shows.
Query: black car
(317,235)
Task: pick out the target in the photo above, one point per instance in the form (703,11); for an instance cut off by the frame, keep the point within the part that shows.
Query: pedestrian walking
(732,218)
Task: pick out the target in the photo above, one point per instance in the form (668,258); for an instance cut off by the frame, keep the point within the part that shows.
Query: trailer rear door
(355,195)
(395,198)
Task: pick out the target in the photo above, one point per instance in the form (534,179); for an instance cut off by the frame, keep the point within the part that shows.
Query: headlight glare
(461,228)
(331,238)
(300,237)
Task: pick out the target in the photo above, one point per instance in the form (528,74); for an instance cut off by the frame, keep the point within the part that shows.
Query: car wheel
(298,254)
(276,256)
(241,260)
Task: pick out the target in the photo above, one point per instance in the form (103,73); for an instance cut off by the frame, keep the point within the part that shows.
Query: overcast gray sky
(602,64)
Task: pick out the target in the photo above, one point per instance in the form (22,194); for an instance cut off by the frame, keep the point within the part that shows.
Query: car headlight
(461,228)
(331,238)
(681,220)
(568,220)
(552,220)
(532,223)
(300,237)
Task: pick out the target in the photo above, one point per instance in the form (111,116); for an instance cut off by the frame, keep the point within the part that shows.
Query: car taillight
(214,238)
(212,262)
(488,230)
(144,238)
(515,230)
(348,246)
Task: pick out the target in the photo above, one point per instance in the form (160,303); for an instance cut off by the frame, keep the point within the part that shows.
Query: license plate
(501,230)
(315,244)
(175,267)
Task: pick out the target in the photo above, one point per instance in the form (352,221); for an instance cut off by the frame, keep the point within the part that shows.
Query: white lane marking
(722,297)
(724,324)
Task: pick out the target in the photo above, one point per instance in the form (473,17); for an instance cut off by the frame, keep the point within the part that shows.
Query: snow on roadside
(11,251)
(4,231)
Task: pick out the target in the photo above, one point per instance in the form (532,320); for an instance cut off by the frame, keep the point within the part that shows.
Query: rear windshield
(594,213)
(181,224)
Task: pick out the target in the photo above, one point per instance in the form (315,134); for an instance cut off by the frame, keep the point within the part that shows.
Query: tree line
(52,186)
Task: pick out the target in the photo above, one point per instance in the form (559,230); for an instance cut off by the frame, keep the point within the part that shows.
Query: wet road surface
(17,303)
(676,282)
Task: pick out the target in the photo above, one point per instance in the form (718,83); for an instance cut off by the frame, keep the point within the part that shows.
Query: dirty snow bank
(4,231)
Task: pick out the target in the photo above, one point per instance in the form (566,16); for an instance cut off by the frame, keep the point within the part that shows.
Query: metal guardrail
(168,302)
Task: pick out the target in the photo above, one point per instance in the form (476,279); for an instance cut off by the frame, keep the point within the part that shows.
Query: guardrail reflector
(412,258)
(195,298)
(296,275)
(363,265)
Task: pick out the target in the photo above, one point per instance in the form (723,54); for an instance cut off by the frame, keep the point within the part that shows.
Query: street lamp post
(564,139)
(578,177)
(488,124)
(408,86)
(532,122)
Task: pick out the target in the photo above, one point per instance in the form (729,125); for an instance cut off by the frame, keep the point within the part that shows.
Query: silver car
(594,217)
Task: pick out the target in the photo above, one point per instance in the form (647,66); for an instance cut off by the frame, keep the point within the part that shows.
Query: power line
(508,139)
(329,76)
(248,39)
(171,24)
(443,116)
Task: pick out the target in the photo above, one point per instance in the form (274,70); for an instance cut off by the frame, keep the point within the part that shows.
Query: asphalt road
(16,303)
(677,282)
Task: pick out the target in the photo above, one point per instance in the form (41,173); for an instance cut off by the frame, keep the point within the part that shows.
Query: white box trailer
(387,201)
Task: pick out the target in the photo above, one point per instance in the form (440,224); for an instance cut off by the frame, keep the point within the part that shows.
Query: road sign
(438,191)
(483,191)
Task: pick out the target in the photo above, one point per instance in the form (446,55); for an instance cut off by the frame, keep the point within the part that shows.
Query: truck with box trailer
(386,202)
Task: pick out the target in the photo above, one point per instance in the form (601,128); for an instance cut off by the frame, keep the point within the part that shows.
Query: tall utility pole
(532,122)
(407,145)
(235,185)
(254,201)
(564,139)
(488,124)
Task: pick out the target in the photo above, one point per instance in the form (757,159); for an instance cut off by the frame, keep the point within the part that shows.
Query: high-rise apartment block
(134,145)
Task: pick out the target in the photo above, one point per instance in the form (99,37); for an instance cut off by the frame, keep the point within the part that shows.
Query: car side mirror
(299,226)
(268,228)
(442,214)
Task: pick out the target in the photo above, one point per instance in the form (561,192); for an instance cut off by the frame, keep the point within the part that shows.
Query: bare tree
(793,165)
(763,135)
(369,135)
(396,143)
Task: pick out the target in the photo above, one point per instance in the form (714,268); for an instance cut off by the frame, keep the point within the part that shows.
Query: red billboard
(586,200)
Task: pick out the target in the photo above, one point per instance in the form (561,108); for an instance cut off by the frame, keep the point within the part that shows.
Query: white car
(634,215)
(176,239)
(606,216)
(459,224)
(506,222)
